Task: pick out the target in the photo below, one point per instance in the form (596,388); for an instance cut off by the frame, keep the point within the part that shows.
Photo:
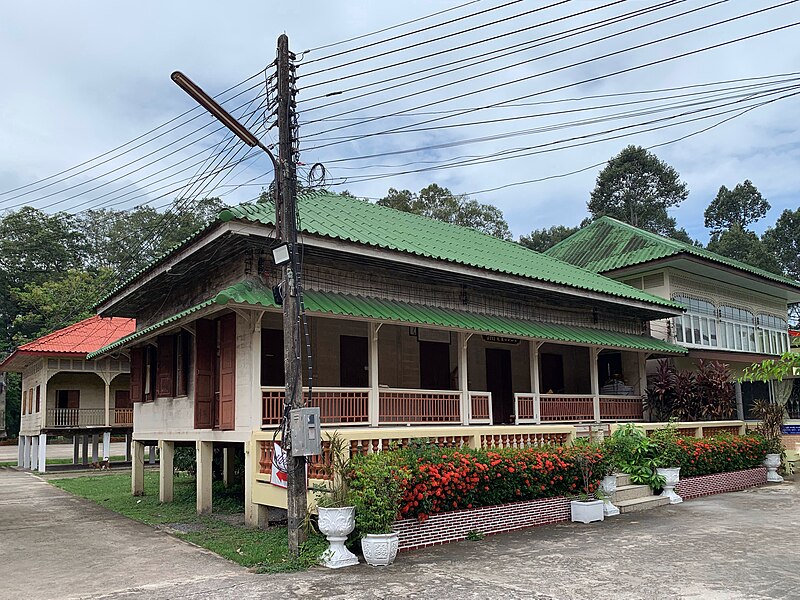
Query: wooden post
(108,404)
(594,375)
(374,386)
(534,346)
(463,376)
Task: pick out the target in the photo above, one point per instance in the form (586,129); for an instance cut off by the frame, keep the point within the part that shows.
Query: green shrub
(720,454)
(376,492)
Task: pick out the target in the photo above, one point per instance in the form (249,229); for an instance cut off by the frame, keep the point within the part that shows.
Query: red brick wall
(454,526)
(706,485)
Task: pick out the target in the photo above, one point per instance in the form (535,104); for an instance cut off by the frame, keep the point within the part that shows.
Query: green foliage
(783,242)
(771,416)
(719,454)
(475,536)
(738,207)
(336,494)
(375,491)
(545,238)
(688,396)
(13,403)
(637,187)
(715,391)
(664,443)
(772,368)
(635,454)
(441,204)
(745,246)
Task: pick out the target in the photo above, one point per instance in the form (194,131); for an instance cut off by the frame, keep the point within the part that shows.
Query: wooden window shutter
(137,375)
(205,354)
(165,371)
(38,397)
(227,371)
(181,363)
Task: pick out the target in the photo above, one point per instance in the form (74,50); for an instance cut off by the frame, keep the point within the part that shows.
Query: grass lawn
(264,550)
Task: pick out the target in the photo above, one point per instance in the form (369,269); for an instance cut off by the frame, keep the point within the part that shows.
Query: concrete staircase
(633,498)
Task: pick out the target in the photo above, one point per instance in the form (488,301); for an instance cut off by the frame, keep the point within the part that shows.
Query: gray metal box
(305,431)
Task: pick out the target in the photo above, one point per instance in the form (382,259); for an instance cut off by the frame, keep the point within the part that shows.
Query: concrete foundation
(84,449)
(166,473)
(75,450)
(205,453)
(95,449)
(42,452)
(137,469)
(106,445)
(34,453)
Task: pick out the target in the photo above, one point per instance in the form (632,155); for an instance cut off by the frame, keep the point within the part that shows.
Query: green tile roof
(254,293)
(607,244)
(361,222)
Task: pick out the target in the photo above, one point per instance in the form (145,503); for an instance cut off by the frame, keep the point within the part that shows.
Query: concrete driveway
(740,546)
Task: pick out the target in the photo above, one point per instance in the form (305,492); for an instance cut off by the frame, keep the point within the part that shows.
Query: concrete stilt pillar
(128,447)
(205,453)
(75,450)
(152,457)
(26,456)
(106,445)
(227,466)
(35,453)
(20,450)
(95,450)
(165,471)
(85,449)
(255,515)
(137,469)
(42,452)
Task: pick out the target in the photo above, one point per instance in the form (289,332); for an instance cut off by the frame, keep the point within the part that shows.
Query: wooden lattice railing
(419,406)
(338,406)
(563,407)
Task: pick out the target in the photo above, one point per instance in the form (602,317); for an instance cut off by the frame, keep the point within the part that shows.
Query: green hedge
(720,454)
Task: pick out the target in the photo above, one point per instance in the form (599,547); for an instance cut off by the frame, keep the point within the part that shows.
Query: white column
(594,375)
(106,445)
(255,367)
(34,453)
(108,404)
(26,457)
(463,377)
(374,389)
(152,455)
(20,450)
(205,452)
(165,471)
(255,515)
(642,373)
(137,469)
(95,449)
(42,452)
(533,350)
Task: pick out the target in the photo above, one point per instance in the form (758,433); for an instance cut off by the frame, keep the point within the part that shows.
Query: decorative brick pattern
(706,485)
(443,528)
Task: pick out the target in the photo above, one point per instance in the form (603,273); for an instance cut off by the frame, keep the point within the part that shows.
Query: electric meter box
(305,431)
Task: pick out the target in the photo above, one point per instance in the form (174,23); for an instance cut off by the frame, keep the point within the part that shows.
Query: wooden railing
(418,406)
(621,408)
(697,429)
(338,406)
(75,417)
(121,416)
(480,407)
(555,408)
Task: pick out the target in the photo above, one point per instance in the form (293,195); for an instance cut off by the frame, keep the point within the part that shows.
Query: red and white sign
(279,477)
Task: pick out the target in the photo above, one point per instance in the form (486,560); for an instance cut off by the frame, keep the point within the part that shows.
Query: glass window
(773,334)
(699,325)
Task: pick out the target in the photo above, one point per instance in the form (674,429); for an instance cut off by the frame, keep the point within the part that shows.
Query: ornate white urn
(772,462)
(336,524)
(380,549)
(671,478)
(609,487)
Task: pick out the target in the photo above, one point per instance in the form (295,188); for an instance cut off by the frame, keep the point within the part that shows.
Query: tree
(745,246)
(740,206)
(545,238)
(637,187)
(441,204)
(783,241)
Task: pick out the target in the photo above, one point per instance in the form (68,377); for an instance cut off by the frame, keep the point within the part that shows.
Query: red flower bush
(720,454)
(435,480)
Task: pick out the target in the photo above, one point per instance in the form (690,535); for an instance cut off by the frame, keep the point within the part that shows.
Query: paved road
(740,546)
(9,453)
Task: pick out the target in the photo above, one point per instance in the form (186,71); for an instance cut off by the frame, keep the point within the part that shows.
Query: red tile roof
(77,340)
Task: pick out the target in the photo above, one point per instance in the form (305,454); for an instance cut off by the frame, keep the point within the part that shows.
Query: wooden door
(552,373)
(434,366)
(498,382)
(205,355)
(227,371)
(272,368)
(122,399)
(353,361)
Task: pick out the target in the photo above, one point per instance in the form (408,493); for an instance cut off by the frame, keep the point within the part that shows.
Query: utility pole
(286,225)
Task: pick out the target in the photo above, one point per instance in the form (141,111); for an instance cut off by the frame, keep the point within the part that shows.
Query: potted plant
(376,494)
(667,460)
(335,509)
(771,417)
(587,508)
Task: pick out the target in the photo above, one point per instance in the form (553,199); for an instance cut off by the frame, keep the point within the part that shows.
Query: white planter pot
(772,462)
(336,524)
(380,549)
(672,476)
(609,487)
(586,512)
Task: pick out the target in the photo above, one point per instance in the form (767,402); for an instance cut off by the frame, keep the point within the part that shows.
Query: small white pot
(609,487)
(772,462)
(586,511)
(672,476)
(380,549)
(336,524)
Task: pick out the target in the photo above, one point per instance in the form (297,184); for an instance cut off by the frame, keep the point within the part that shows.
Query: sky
(81,79)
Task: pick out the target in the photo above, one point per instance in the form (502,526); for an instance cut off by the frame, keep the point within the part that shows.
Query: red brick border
(443,528)
(718,483)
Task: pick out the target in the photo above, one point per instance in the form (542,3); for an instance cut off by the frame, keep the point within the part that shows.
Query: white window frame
(696,328)
(774,336)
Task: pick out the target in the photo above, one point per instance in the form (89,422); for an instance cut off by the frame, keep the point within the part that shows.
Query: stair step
(631,492)
(638,504)
(623,479)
